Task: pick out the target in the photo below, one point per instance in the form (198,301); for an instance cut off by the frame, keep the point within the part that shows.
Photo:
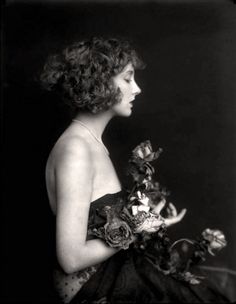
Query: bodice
(96,216)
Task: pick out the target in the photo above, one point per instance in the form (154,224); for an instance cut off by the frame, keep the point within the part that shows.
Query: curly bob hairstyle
(83,72)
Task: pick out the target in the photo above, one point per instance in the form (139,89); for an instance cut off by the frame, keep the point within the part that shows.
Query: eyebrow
(130,72)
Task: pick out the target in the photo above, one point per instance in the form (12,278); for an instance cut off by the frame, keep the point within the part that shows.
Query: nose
(136,89)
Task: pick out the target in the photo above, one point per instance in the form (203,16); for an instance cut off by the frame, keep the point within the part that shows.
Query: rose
(215,239)
(140,167)
(118,234)
(145,152)
(117,231)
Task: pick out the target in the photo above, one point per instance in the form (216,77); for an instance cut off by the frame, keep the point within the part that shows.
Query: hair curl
(83,72)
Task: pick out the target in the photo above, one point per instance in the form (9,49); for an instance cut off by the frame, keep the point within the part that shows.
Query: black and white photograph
(118,123)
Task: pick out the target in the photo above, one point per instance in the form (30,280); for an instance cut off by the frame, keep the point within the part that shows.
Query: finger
(174,220)
(172,209)
(159,207)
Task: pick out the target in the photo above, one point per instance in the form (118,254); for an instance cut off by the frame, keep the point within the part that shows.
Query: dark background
(187,107)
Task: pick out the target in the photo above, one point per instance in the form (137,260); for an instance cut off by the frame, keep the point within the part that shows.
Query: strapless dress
(130,277)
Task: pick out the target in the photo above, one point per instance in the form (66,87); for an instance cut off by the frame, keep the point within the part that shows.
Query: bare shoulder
(71,150)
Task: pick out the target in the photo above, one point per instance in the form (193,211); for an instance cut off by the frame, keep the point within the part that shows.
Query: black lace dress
(130,277)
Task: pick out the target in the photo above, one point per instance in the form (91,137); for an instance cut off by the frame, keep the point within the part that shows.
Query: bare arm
(74,181)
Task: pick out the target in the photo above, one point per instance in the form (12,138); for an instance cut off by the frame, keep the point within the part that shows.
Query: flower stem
(132,191)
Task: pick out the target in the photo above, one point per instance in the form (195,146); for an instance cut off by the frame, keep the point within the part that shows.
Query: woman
(96,78)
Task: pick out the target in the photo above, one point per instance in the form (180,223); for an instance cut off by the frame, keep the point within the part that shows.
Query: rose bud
(215,239)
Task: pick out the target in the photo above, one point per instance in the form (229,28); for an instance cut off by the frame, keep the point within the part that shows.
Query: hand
(173,217)
(155,220)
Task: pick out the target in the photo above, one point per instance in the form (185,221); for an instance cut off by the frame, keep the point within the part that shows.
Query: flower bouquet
(136,221)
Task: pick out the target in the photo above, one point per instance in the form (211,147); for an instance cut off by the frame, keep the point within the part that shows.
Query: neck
(95,122)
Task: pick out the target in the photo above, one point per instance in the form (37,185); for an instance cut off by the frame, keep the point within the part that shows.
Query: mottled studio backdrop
(187,107)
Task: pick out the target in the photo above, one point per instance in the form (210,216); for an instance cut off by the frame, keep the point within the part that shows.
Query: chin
(122,111)
(125,113)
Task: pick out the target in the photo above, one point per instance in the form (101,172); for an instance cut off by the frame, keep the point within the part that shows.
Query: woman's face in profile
(129,89)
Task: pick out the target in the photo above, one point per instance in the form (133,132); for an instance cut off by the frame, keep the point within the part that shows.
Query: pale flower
(143,208)
(142,198)
(134,210)
(150,224)
(216,239)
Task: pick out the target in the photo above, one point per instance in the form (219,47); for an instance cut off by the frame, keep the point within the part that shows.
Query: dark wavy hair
(83,72)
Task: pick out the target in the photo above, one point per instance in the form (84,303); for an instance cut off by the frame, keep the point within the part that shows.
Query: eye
(127,80)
